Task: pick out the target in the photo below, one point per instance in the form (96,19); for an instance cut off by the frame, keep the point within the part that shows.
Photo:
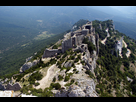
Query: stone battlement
(73,39)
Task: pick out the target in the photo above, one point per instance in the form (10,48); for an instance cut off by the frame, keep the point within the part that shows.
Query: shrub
(76,60)
(83,53)
(54,79)
(83,62)
(34,77)
(66,78)
(79,56)
(98,62)
(55,47)
(68,84)
(98,91)
(89,73)
(60,77)
(77,72)
(74,69)
(72,81)
(68,69)
(47,93)
(76,83)
(55,85)
(36,84)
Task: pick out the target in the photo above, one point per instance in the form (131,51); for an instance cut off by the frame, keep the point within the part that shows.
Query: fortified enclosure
(74,40)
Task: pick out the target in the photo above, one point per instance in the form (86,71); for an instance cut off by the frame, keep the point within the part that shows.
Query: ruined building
(74,40)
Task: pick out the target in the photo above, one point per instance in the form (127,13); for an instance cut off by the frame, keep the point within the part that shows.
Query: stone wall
(66,45)
(80,39)
(85,32)
(51,52)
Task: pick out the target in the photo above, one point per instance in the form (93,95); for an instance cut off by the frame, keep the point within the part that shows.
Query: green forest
(110,76)
(14,58)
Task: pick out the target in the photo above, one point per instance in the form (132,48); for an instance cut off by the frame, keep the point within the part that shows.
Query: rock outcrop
(85,88)
(14,87)
(73,91)
(28,65)
(88,85)
(2,87)
(68,64)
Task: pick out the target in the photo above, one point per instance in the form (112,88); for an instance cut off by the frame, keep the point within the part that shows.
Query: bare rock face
(14,87)
(85,88)
(2,87)
(75,91)
(28,65)
(90,92)
(62,93)
(88,86)
(68,64)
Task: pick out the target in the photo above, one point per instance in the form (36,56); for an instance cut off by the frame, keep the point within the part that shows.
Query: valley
(54,52)
(23,29)
(79,65)
(43,35)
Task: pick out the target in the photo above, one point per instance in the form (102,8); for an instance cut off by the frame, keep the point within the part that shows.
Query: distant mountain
(127,28)
(108,10)
(128,11)
(19,25)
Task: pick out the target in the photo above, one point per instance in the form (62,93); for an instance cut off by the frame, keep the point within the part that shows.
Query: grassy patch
(43,36)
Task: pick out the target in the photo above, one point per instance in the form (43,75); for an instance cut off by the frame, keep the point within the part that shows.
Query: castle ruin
(74,40)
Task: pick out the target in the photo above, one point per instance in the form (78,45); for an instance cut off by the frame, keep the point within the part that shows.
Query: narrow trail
(45,82)
(129,51)
(108,35)
(103,41)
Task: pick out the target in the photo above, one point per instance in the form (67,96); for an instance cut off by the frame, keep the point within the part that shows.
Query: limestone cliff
(28,65)
(85,88)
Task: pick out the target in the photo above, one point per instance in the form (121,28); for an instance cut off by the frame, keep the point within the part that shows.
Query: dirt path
(120,54)
(129,51)
(125,44)
(45,82)
(103,41)
(108,35)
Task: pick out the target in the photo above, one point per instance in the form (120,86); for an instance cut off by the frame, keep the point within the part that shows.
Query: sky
(125,9)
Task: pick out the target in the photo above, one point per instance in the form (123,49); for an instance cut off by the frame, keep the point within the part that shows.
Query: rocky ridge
(77,72)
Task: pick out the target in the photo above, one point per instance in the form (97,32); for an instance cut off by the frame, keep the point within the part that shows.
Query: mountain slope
(19,25)
(126,28)
(68,73)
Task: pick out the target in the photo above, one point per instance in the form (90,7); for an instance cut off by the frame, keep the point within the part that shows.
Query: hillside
(20,26)
(24,30)
(85,67)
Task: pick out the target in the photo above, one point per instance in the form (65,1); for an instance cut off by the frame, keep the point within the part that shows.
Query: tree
(55,85)
(66,78)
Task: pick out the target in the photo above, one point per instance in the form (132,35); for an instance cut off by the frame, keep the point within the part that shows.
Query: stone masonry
(74,40)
